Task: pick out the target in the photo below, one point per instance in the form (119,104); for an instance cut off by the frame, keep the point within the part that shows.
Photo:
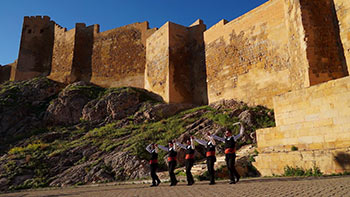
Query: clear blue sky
(111,14)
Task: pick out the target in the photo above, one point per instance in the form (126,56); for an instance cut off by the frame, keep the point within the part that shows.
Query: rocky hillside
(52,135)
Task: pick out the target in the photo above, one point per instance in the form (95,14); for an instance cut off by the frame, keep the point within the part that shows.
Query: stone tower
(36,48)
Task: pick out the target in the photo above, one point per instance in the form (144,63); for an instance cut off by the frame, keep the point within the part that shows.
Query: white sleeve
(163,148)
(241,132)
(192,144)
(212,140)
(148,148)
(221,139)
(201,142)
(181,145)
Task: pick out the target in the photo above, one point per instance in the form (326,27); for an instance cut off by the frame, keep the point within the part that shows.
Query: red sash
(153,161)
(171,158)
(189,156)
(210,153)
(230,150)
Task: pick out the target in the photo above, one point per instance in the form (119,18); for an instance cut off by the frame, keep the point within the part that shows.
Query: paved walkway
(326,186)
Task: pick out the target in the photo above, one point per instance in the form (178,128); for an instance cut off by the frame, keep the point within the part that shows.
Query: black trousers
(210,165)
(230,162)
(172,165)
(189,165)
(154,176)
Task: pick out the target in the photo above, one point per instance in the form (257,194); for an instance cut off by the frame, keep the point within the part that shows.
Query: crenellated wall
(119,56)
(63,52)
(35,53)
(281,46)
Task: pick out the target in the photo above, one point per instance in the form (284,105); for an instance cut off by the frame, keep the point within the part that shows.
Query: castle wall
(343,12)
(175,62)
(316,121)
(82,60)
(157,61)
(187,74)
(324,49)
(36,48)
(63,52)
(179,67)
(119,56)
(5,73)
(248,59)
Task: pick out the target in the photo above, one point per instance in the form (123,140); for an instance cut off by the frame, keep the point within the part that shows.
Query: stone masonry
(290,55)
(281,46)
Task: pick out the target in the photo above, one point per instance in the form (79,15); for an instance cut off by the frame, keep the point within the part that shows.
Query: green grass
(131,138)
(298,171)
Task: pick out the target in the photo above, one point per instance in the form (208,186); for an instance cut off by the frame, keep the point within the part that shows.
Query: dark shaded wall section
(5,73)
(187,71)
(324,47)
(36,48)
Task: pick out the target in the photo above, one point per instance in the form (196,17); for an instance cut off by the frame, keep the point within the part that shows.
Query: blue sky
(111,14)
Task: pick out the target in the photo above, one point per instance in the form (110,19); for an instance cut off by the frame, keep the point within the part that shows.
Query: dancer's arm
(241,131)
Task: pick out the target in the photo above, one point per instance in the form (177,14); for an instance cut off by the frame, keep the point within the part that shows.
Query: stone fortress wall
(281,46)
(290,55)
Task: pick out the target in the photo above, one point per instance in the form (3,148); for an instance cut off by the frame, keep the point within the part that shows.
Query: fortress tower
(36,46)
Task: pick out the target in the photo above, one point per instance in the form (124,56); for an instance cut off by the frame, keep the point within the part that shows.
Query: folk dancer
(210,154)
(153,150)
(230,151)
(189,159)
(171,160)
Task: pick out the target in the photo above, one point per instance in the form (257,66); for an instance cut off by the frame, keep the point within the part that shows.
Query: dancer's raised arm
(241,131)
(201,142)
(163,148)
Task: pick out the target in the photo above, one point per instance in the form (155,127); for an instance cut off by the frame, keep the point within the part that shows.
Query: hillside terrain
(57,135)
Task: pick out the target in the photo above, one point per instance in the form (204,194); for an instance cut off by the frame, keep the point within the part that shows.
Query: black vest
(210,147)
(189,150)
(230,142)
(172,153)
(154,155)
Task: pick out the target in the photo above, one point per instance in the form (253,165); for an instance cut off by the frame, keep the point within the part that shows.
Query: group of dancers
(210,144)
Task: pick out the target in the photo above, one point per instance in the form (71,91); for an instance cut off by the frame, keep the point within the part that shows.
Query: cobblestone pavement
(326,186)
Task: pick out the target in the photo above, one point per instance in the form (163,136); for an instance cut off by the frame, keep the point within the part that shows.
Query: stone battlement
(280,46)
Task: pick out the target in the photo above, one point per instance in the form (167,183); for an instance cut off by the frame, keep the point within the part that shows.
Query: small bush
(298,171)
(294,148)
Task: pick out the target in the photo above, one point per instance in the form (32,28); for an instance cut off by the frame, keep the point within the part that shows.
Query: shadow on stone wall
(343,160)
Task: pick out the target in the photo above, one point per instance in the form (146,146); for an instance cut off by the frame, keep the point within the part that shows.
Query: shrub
(294,148)
(298,171)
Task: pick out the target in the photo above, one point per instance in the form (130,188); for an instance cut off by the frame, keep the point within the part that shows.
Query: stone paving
(325,186)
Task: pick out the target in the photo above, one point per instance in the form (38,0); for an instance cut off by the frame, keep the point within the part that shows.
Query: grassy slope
(131,138)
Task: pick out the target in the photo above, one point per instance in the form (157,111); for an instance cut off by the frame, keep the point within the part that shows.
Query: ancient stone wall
(119,56)
(157,61)
(63,52)
(343,12)
(324,49)
(5,73)
(316,121)
(36,48)
(82,60)
(248,58)
(175,68)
